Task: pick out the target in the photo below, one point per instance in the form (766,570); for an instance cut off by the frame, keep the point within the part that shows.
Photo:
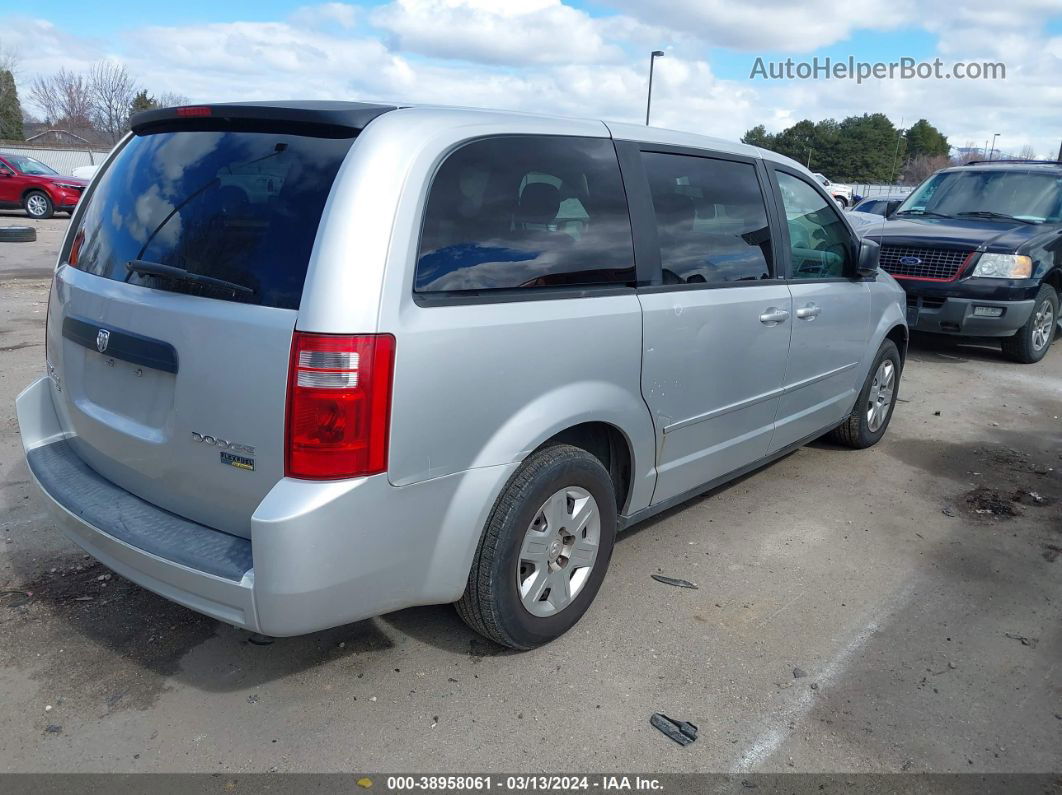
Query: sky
(576,57)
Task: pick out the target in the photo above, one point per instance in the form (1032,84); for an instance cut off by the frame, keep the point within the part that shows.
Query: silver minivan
(311,362)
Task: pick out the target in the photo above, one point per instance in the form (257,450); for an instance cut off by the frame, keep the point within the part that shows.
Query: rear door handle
(773,316)
(809,312)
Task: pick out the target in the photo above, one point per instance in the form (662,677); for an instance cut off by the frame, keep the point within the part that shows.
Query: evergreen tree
(925,139)
(142,101)
(758,136)
(10,109)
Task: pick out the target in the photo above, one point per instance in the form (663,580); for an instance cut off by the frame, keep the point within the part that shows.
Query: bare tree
(920,167)
(64,98)
(169,99)
(9,59)
(1027,152)
(112,91)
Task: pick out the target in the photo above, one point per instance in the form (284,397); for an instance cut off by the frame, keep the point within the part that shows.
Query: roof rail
(1012,160)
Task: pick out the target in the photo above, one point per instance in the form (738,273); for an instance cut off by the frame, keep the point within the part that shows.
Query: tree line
(867,148)
(95,104)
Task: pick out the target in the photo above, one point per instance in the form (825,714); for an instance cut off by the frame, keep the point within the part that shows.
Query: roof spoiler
(324,118)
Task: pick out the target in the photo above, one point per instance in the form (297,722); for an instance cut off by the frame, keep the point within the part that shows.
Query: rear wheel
(873,409)
(1030,343)
(544,551)
(38,205)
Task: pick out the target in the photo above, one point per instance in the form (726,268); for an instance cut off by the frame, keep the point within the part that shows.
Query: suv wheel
(38,205)
(1030,343)
(873,409)
(545,550)
(842,201)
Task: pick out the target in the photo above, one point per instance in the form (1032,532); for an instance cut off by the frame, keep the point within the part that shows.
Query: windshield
(1035,197)
(239,207)
(27,165)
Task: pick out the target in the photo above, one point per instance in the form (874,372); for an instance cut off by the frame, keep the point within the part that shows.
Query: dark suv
(978,250)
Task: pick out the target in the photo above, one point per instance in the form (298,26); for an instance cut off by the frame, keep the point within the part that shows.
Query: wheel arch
(603,418)
(609,445)
(37,189)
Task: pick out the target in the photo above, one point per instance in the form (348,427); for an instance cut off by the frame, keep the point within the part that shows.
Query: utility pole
(993,150)
(649,98)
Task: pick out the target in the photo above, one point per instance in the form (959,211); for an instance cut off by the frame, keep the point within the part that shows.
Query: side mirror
(867,259)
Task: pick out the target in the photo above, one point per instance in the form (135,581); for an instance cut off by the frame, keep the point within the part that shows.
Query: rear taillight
(75,248)
(339,405)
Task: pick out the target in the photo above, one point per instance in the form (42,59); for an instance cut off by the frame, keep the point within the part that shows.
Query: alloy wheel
(1043,327)
(36,205)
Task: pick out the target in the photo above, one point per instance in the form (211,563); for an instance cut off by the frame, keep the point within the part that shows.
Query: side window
(711,219)
(820,243)
(525,212)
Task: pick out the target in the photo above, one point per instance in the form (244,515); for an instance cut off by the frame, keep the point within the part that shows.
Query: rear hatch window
(230,215)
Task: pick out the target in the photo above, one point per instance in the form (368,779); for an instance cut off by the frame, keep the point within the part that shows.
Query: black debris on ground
(673,581)
(680,731)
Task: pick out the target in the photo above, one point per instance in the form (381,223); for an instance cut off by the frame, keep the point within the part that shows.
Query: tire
(511,559)
(864,427)
(1031,342)
(38,205)
(17,234)
(841,200)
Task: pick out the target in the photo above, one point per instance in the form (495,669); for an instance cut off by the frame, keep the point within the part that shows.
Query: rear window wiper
(182,275)
(991,214)
(923,212)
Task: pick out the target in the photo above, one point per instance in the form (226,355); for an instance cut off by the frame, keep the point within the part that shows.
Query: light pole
(649,98)
(992,151)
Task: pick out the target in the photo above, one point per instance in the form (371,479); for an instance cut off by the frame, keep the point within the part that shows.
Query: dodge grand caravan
(313,362)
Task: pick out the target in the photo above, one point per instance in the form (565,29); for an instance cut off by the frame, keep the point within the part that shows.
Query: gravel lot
(917,587)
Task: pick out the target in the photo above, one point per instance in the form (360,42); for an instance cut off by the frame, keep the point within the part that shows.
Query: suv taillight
(339,405)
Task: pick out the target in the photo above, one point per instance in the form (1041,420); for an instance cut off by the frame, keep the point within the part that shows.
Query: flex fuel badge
(238,461)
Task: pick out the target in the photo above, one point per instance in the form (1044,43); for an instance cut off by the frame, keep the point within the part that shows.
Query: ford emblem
(102,338)
(910,261)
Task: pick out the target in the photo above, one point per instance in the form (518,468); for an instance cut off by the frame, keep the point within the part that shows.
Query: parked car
(977,249)
(885,204)
(842,194)
(86,172)
(39,189)
(437,365)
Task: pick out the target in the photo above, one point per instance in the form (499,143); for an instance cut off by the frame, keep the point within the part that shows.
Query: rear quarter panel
(476,385)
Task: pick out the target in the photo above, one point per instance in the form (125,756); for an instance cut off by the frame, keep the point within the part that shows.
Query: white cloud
(518,32)
(758,25)
(541,55)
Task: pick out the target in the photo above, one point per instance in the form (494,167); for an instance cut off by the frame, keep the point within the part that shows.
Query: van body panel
(693,381)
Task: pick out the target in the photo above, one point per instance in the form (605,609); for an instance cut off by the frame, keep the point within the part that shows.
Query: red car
(39,189)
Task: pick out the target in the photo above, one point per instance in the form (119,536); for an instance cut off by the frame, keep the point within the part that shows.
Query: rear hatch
(171,318)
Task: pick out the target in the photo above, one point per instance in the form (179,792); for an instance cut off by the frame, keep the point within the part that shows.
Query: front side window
(519,212)
(711,219)
(820,244)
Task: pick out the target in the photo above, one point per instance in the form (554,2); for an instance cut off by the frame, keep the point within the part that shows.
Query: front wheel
(1030,343)
(544,551)
(38,205)
(865,426)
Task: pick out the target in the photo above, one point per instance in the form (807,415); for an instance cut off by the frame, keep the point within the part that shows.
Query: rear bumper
(960,316)
(320,554)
